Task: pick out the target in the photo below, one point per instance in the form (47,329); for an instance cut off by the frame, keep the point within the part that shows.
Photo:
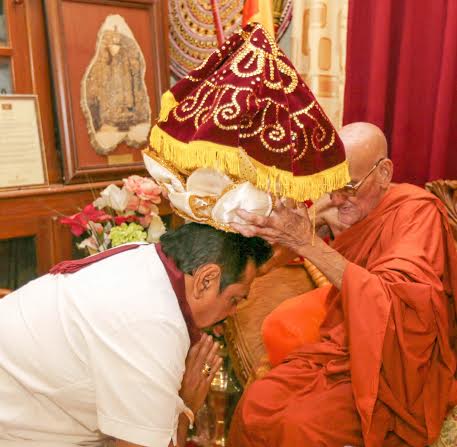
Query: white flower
(114,197)
(155,230)
(100,203)
(89,243)
(154,210)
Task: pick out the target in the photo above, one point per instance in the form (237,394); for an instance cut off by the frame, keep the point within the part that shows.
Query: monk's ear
(386,171)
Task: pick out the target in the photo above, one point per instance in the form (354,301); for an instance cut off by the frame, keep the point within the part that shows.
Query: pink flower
(152,212)
(133,203)
(145,221)
(144,188)
(145,207)
(142,206)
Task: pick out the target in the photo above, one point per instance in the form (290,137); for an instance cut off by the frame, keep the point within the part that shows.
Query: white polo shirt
(94,353)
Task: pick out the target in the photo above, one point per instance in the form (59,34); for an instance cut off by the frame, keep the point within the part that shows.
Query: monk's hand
(202,363)
(286,225)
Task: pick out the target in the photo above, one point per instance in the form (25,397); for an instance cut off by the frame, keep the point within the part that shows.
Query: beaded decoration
(193,34)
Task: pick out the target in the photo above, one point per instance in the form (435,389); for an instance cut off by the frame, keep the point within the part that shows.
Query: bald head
(364,144)
(370,170)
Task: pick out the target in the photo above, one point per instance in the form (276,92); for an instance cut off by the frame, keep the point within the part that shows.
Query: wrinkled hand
(286,226)
(195,385)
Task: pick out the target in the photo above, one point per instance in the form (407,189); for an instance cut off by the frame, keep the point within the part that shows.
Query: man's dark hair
(193,245)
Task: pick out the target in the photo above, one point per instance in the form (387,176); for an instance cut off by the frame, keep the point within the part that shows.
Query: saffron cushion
(294,322)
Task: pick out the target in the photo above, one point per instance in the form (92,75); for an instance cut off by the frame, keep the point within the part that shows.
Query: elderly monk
(383,371)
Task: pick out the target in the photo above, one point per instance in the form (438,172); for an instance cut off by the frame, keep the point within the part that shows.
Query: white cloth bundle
(208,196)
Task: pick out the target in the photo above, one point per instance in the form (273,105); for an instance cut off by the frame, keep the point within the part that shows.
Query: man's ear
(207,279)
(386,170)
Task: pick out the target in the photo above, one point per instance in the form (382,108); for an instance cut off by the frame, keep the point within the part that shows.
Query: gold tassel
(167,103)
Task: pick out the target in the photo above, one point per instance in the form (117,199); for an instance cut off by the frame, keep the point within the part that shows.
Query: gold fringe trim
(205,154)
(304,187)
(167,103)
(196,154)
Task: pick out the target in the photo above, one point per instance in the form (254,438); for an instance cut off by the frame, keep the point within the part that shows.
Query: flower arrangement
(119,215)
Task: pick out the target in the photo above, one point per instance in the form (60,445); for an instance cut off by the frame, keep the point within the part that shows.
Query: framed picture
(110,67)
(22,160)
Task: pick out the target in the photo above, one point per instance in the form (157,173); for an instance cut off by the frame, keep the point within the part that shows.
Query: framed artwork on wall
(110,67)
(22,152)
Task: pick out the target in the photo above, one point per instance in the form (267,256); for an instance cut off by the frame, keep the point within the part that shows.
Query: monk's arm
(325,258)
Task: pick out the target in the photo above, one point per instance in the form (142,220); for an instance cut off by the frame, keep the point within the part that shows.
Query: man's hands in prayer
(195,383)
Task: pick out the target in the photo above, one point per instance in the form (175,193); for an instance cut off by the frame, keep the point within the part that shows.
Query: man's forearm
(326,259)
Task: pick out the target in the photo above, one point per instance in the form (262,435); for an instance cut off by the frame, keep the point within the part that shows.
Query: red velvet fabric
(401,74)
(248,94)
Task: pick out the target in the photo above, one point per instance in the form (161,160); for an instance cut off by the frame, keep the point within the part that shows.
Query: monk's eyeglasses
(350,189)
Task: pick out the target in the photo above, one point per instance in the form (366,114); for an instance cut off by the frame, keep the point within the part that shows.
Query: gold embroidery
(202,206)
(218,225)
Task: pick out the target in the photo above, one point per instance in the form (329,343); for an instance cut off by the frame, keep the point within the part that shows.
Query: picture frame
(79,30)
(22,152)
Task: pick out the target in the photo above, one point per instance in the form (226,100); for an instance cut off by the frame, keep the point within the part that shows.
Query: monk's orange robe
(383,371)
